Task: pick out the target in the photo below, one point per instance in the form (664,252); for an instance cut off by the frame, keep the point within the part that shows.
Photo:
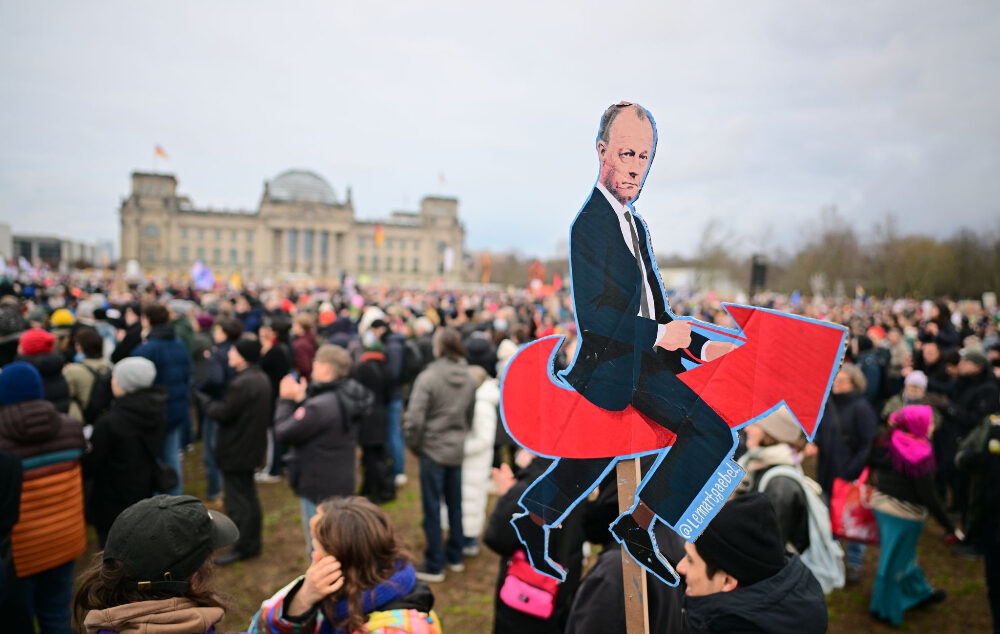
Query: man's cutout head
(625,146)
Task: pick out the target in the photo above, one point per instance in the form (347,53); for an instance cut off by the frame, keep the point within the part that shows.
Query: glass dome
(296,185)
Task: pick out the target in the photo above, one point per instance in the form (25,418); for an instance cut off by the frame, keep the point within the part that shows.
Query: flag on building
(379,234)
(160,152)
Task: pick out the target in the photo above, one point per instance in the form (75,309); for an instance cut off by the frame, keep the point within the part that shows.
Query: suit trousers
(243,507)
(703,442)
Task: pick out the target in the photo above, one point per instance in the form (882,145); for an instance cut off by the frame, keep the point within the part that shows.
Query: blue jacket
(173,371)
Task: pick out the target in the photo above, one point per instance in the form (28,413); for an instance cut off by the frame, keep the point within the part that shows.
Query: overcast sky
(766,111)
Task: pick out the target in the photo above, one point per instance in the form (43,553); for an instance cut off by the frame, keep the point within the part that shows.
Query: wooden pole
(634,575)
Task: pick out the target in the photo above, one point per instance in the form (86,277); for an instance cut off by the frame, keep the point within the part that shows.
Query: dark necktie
(643,304)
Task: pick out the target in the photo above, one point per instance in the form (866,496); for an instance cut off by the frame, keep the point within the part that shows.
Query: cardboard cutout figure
(629,390)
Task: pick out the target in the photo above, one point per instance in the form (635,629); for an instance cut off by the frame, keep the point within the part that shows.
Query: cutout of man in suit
(629,354)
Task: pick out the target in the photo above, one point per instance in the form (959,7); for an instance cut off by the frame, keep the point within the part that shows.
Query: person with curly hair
(360,580)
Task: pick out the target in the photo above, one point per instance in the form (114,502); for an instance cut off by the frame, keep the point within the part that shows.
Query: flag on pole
(379,234)
(160,152)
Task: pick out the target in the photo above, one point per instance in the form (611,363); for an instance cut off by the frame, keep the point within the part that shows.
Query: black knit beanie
(744,540)
(249,349)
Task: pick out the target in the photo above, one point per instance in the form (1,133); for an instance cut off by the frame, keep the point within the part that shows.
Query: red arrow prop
(785,358)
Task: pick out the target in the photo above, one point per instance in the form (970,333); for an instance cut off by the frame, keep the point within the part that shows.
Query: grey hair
(604,134)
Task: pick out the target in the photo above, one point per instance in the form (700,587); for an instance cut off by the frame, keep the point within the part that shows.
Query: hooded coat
(122,459)
(162,616)
(322,433)
(243,415)
(173,371)
(789,601)
(844,438)
(54,385)
(440,411)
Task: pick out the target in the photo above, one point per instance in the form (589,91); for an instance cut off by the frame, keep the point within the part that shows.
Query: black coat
(276,364)
(54,387)
(243,416)
(121,463)
(565,546)
(790,601)
(845,435)
(973,399)
(373,373)
(322,433)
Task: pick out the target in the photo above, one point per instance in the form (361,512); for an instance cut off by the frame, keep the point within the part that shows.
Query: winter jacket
(477,464)
(121,462)
(599,604)
(322,433)
(51,528)
(276,364)
(846,432)
(974,398)
(163,616)
(128,344)
(185,332)
(304,349)
(440,412)
(173,371)
(80,378)
(400,605)
(199,362)
(373,373)
(243,417)
(395,359)
(54,386)
(918,490)
(565,547)
(790,601)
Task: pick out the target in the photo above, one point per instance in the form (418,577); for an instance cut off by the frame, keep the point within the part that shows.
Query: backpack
(824,557)
(100,395)
(413,361)
(526,590)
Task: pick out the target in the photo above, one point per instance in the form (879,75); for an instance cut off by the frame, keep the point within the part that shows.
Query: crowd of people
(106,386)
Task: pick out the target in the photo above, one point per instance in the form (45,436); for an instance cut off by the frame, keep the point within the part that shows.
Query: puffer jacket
(790,601)
(322,433)
(173,371)
(51,528)
(54,385)
(440,411)
(478,461)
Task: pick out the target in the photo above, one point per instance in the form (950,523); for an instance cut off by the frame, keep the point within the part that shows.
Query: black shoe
(642,547)
(934,598)
(535,539)
(230,558)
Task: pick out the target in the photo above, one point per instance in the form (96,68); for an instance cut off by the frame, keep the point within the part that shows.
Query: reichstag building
(300,230)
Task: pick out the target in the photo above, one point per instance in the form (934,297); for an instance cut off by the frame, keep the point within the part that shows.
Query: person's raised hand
(715,349)
(676,335)
(292,390)
(503,478)
(323,578)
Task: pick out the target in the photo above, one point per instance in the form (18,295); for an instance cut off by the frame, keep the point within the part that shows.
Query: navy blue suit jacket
(616,345)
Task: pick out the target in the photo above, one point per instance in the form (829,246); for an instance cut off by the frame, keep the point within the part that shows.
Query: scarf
(910,451)
(395,587)
(760,458)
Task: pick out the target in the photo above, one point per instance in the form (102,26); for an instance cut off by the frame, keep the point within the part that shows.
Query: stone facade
(300,230)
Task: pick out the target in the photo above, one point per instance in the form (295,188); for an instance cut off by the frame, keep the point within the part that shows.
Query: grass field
(465,600)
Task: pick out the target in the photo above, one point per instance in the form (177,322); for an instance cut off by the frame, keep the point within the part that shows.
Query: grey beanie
(135,373)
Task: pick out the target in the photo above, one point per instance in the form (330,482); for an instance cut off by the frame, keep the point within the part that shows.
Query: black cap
(249,349)
(378,323)
(165,539)
(744,540)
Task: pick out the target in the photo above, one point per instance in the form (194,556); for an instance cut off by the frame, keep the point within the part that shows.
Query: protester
(304,344)
(50,532)
(37,348)
(218,374)
(740,578)
(395,352)
(844,438)
(241,442)
(319,422)
(377,482)
(11,327)
(478,458)
(121,464)
(276,362)
(903,460)
(437,420)
(512,615)
(360,579)
(173,371)
(87,375)
(155,573)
